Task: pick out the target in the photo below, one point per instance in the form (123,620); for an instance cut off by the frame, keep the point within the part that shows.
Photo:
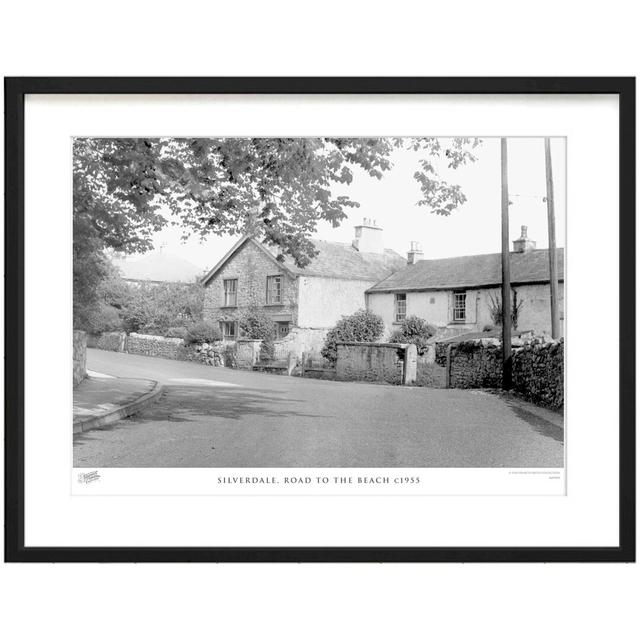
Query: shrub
(100,318)
(495,309)
(416,331)
(201,332)
(361,326)
(488,327)
(254,323)
(175,332)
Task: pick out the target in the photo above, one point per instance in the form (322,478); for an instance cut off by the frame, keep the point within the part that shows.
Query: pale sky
(472,229)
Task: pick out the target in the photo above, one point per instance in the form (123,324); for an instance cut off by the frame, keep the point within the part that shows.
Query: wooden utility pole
(551,220)
(506,273)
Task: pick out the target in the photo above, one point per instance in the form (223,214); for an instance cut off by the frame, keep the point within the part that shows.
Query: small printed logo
(90,476)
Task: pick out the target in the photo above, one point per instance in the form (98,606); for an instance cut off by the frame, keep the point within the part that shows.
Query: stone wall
(475,365)
(537,371)
(109,341)
(156,346)
(79,357)
(376,362)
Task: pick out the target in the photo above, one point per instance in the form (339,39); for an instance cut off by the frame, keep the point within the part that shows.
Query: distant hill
(159,266)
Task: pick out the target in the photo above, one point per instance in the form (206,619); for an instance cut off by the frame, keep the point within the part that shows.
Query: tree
(361,326)
(277,189)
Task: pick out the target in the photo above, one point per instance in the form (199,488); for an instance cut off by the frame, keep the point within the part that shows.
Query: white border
(587,516)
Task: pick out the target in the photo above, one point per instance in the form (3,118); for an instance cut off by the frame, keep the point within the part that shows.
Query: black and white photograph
(319,302)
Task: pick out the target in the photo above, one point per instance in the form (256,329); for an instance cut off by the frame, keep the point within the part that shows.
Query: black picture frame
(15,91)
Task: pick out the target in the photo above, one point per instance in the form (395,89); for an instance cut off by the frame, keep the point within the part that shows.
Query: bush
(254,323)
(201,332)
(416,331)
(361,326)
(175,332)
(100,318)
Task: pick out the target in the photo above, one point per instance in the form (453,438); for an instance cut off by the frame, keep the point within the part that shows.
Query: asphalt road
(217,417)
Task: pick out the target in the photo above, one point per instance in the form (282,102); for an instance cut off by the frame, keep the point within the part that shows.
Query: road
(217,417)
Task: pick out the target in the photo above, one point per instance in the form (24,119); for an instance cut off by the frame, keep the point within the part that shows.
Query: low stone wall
(110,341)
(537,370)
(376,362)
(156,346)
(538,373)
(79,357)
(474,365)
(299,341)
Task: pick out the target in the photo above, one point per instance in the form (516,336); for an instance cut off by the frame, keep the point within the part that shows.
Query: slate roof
(469,272)
(342,260)
(334,260)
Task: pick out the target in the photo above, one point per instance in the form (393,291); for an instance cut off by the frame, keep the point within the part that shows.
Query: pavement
(219,417)
(100,399)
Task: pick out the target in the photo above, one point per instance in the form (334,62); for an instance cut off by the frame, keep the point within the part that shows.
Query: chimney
(368,237)
(523,244)
(415,254)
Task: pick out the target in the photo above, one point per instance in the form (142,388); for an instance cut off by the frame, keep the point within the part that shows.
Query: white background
(320,601)
(586,516)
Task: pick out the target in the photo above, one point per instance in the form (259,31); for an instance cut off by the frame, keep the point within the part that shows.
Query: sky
(473,228)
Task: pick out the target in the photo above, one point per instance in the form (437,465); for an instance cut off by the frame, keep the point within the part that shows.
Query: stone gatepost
(247,353)
(410,372)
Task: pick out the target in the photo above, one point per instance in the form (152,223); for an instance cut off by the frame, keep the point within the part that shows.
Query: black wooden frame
(15,91)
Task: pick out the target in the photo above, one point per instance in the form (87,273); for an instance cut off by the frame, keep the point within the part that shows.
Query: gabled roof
(236,247)
(468,272)
(334,260)
(342,260)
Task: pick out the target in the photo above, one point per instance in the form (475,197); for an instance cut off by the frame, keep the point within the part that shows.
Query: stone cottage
(457,294)
(304,303)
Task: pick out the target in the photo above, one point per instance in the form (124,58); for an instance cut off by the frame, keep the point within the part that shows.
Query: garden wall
(156,346)
(537,373)
(79,357)
(109,341)
(376,362)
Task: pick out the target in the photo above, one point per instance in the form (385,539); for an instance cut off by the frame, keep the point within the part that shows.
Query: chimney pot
(523,243)
(415,254)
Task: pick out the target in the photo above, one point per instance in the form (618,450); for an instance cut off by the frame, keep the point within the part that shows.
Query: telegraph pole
(551,220)
(506,272)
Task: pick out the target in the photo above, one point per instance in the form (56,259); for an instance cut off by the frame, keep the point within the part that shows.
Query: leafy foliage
(361,326)
(201,332)
(414,330)
(277,189)
(254,323)
(114,304)
(495,309)
(155,308)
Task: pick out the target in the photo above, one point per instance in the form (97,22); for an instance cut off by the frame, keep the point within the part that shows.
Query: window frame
(269,300)
(226,293)
(459,295)
(223,325)
(396,300)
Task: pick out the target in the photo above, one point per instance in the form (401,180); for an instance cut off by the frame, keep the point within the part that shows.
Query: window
(401,306)
(282,329)
(231,293)
(229,330)
(459,306)
(274,289)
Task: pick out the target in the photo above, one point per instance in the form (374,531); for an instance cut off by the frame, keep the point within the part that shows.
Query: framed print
(320,319)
